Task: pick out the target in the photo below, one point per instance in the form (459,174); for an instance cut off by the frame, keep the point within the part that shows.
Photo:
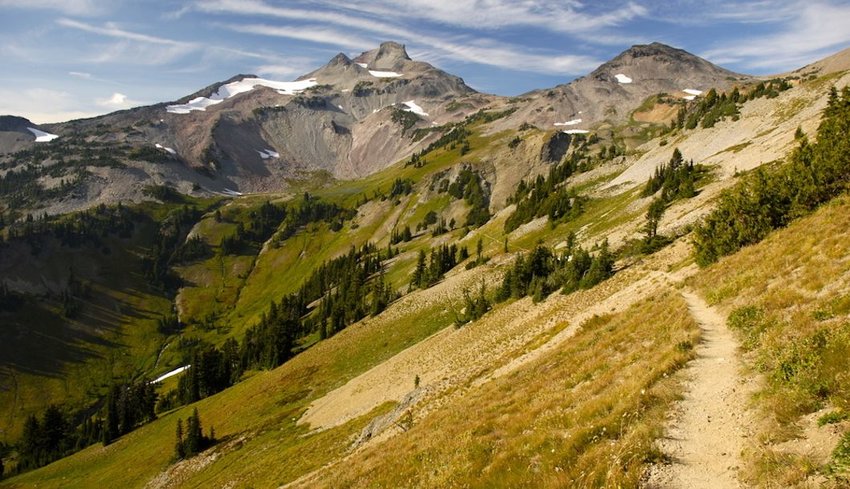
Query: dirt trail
(710,425)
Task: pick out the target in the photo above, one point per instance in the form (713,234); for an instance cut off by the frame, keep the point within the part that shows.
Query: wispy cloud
(814,31)
(309,33)
(81,75)
(467,48)
(68,7)
(111,30)
(144,49)
(563,16)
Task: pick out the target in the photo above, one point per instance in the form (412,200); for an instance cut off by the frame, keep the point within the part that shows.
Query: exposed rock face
(15,133)
(346,120)
(616,88)
(342,124)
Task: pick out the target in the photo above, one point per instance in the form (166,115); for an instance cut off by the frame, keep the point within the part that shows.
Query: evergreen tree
(110,421)
(179,450)
(653,217)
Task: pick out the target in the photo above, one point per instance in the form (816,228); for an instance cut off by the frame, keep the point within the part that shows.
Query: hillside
(563,285)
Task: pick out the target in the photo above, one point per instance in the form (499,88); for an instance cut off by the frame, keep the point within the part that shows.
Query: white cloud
(111,30)
(816,30)
(42,105)
(435,46)
(314,34)
(69,7)
(117,101)
(563,16)
(80,74)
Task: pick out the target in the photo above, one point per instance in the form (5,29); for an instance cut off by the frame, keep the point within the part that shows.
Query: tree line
(546,196)
(770,197)
(543,271)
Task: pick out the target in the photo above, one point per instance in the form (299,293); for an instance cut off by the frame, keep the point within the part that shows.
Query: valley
(376,276)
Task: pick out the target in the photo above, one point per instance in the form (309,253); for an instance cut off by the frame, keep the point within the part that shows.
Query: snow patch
(569,123)
(362,65)
(237,87)
(416,109)
(692,91)
(384,74)
(689,97)
(268,153)
(231,193)
(168,150)
(41,136)
(170,374)
(622,78)
(576,131)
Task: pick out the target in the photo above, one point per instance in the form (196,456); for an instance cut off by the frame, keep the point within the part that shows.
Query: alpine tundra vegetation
(379,275)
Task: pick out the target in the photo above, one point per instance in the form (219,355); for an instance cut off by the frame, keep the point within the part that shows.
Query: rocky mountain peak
(388,56)
(657,61)
(340,60)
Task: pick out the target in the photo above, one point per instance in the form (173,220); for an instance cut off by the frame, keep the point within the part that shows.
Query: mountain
(616,88)
(646,304)
(17,133)
(347,119)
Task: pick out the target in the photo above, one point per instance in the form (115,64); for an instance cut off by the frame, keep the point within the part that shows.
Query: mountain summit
(617,87)
(662,64)
(389,56)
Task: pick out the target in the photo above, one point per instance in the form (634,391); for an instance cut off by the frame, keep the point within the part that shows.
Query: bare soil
(712,425)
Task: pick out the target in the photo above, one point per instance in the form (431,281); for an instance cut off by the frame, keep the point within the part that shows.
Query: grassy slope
(48,358)
(260,412)
(238,289)
(68,360)
(581,416)
(790,302)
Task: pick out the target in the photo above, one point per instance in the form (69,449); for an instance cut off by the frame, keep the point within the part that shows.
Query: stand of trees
(713,108)
(79,228)
(56,433)
(350,287)
(157,262)
(285,220)
(127,406)
(676,179)
(193,441)
(469,186)
(771,197)
(441,260)
(542,271)
(547,196)
(672,181)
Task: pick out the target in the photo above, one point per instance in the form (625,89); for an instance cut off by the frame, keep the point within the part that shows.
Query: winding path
(710,426)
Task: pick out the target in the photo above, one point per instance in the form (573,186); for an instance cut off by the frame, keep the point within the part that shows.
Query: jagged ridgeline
(333,268)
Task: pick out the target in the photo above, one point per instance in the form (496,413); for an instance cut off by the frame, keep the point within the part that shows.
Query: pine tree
(653,218)
(419,274)
(194,434)
(179,450)
(110,421)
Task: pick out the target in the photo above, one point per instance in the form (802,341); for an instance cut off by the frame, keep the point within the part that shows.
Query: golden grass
(585,415)
(788,298)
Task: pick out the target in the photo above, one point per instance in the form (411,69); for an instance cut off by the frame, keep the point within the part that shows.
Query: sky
(66,59)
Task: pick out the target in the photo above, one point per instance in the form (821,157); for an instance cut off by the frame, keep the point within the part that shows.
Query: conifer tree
(179,450)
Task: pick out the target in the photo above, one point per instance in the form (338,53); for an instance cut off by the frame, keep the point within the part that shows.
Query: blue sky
(64,59)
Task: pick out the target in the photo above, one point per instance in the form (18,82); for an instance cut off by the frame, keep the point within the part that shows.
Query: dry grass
(585,415)
(789,300)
